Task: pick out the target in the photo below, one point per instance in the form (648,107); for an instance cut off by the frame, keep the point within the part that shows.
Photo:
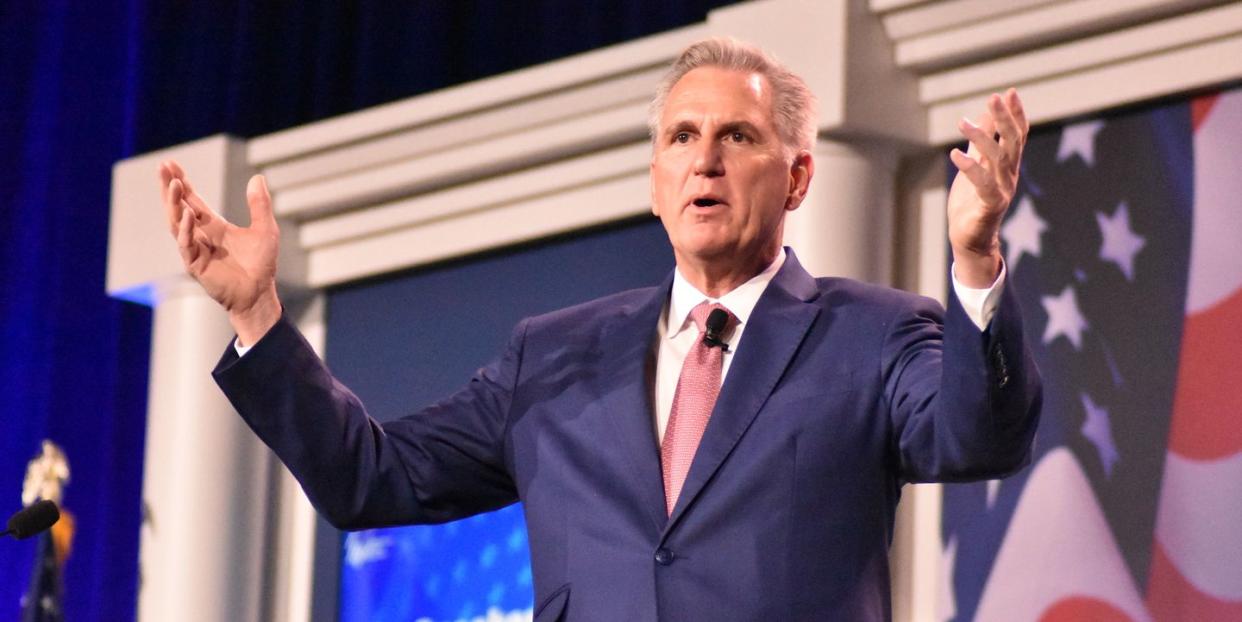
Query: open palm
(235,265)
(987,177)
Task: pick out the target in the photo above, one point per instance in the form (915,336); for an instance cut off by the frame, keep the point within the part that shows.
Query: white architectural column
(205,474)
(206,478)
(920,580)
(303,577)
(845,225)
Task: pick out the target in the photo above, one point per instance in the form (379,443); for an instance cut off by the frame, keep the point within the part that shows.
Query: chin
(709,247)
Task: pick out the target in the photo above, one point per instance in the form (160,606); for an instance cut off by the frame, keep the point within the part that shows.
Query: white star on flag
(1079,139)
(1120,244)
(1022,232)
(1064,318)
(1098,430)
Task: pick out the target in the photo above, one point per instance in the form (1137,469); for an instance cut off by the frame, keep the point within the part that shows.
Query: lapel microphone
(716,321)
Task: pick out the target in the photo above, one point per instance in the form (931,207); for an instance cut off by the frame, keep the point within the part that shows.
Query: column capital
(840,48)
(143,263)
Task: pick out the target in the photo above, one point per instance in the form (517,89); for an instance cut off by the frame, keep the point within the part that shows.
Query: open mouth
(706,202)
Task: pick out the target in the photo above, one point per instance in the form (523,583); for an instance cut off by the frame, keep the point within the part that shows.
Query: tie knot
(704,309)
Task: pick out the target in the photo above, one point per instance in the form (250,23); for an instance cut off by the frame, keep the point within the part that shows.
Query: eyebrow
(686,125)
(745,127)
(679,127)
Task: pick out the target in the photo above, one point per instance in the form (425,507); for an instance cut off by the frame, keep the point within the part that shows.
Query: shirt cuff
(242,350)
(979,304)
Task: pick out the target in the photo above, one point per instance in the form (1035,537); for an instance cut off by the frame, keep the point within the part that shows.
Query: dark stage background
(86,84)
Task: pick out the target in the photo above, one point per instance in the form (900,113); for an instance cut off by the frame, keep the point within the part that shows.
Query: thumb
(260,202)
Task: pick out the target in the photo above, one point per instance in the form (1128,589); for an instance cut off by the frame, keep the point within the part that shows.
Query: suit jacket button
(1001,367)
(664,557)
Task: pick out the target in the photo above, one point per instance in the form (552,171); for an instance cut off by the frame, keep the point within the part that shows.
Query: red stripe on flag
(1171,598)
(1209,388)
(1200,107)
(1079,608)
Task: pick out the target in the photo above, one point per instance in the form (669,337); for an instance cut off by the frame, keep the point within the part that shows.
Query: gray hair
(794,106)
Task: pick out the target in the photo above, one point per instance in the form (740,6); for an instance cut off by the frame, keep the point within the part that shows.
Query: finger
(187,258)
(1011,140)
(185,240)
(170,170)
(202,212)
(202,240)
(260,201)
(987,122)
(984,123)
(985,185)
(205,218)
(175,169)
(1006,126)
(173,204)
(1019,112)
(981,141)
(201,256)
(165,176)
(181,195)
(196,249)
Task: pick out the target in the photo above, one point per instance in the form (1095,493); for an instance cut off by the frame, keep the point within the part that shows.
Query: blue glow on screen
(476,569)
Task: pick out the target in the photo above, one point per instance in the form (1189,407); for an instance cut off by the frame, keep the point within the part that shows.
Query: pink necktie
(697,388)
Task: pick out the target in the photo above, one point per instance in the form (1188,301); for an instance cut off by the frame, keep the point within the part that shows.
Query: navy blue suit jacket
(838,394)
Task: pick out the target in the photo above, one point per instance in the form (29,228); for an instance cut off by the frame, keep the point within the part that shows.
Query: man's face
(720,177)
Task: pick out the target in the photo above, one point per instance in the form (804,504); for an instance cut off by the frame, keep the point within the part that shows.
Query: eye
(681,137)
(738,137)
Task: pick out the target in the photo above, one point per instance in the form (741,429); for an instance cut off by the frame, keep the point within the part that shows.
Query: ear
(655,207)
(800,172)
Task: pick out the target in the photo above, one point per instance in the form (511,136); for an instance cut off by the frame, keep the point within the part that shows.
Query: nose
(707,160)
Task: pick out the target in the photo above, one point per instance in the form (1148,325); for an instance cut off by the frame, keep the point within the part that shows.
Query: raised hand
(986,181)
(235,265)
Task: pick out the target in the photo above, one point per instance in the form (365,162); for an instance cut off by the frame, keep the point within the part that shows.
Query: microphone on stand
(32,519)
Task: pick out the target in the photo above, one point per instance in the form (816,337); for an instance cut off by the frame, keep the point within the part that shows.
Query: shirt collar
(740,301)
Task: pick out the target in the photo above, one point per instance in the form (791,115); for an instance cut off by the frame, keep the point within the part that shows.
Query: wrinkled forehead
(719,92)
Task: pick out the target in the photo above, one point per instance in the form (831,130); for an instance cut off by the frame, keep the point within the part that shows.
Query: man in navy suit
(674,465)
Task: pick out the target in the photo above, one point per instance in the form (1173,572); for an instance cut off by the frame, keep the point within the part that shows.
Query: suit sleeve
(964,404)
(442,463)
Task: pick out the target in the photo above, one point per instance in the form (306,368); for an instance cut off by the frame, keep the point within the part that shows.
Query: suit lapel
(628,346)
(776,328)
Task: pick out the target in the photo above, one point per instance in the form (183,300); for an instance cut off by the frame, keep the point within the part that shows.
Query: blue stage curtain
(88,83)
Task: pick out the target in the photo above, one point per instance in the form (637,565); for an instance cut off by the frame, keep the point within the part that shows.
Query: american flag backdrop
(1123,245)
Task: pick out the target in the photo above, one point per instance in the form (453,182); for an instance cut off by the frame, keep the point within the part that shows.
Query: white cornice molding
(1054,97)
(489,193)
(1085,54)
(489,93)
(997,32)
(1067,57)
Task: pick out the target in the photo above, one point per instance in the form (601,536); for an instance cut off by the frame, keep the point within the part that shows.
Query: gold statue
(46,477)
